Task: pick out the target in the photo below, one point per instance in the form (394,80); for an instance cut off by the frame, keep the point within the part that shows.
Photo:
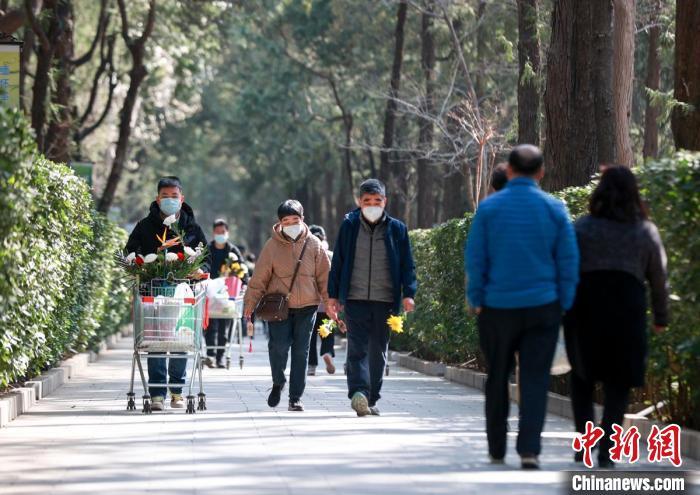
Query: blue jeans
(294,333)
(176,370)
(368,343)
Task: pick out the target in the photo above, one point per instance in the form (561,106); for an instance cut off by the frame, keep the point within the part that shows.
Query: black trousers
(614,407)
(532,332)
(327,344)
(217,335)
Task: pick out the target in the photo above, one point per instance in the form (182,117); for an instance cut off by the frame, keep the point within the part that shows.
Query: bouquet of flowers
(164,264)
(328,326)
(232,266)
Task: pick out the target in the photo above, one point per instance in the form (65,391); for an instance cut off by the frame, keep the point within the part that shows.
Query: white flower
(130,259)
(150,258)
(189,252)
(233,256)
(170,257)
(169,220)
(244,268)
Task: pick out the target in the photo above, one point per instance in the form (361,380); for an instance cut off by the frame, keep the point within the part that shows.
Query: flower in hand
(395,323)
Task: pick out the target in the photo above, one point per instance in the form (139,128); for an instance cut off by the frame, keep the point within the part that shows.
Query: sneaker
(330,367)
(374,411)
(157,403)
(296,405)
(176,401)
(359,404)
(275,394)
(208,362)
(528,461)
(311,371)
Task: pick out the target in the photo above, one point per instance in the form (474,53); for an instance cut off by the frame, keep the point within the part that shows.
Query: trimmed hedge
(441,330)
(59,289)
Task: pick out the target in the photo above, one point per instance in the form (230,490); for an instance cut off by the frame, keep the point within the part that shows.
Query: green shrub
(57,275)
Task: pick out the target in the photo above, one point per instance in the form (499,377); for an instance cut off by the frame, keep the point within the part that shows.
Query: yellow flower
(326,328)
(395,323)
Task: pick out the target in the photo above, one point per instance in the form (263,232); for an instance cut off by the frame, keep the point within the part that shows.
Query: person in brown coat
(273,274)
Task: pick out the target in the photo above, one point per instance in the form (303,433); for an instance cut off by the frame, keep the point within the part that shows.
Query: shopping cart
(168,319)
(229,309)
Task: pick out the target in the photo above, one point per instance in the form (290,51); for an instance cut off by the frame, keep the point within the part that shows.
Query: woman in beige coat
(273,274)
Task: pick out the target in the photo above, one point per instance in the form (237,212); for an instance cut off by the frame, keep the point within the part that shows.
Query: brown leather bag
(275,306)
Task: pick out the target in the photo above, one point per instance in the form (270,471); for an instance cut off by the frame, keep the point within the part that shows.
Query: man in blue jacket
(522,266)
(372,277)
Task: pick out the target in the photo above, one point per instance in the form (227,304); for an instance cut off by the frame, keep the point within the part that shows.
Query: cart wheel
(202,403)
(190,405)
(345,368)
(228,363)
(147,405)
(240,362)
(386,370)
(130,402)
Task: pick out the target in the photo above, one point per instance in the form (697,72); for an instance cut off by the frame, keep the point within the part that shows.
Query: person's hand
(334,306)
(659,329)
(247,313)
(198,274)
(342,327)
(409,304)
(477,311)
(331,312)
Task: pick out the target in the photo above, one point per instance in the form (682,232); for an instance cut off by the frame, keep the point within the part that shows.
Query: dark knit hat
(318,231)
(290,207)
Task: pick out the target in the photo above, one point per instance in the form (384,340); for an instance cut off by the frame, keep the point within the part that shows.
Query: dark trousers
(294,333)
(532,332)
(368,343)
(614,407)
(217,335)
(327,344)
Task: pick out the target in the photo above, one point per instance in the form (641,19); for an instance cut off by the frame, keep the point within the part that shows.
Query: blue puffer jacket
(398,248)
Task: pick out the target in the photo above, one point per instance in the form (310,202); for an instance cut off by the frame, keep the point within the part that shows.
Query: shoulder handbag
(275,306)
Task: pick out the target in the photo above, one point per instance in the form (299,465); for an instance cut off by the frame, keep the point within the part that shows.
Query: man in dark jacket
(216,334)
(169,201)
(373,276)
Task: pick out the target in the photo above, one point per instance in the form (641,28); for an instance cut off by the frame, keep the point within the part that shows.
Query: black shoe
(296,405)
(275,394)
(529,462)
(219,364)
(208,362)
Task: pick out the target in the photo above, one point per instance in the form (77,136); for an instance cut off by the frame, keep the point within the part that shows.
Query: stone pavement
(429,439)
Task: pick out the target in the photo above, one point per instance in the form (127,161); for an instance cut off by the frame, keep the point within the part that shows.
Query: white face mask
(372,213)
(292,231)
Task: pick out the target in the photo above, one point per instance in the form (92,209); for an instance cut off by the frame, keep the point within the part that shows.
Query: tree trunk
(453,194)
(25,60)
(426,186)
(481,34)
(651,116)
(58,136)
(40,93)
(623,78)
(395,84)
(136,76)
(685,122)
(578,98)
(528,74)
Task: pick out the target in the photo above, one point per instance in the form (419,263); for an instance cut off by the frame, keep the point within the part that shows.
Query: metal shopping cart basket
(168,318)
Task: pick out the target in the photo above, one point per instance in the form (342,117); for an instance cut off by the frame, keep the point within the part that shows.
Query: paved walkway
(429,439)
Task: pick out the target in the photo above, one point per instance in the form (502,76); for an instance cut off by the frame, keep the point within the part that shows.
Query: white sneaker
(360,404)
(176,401)
(157,403)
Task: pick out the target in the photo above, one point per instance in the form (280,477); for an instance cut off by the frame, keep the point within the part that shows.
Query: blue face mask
(221,238)
(169,206)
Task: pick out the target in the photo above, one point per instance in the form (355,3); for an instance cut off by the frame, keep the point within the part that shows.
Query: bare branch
(102,23)
(36,25)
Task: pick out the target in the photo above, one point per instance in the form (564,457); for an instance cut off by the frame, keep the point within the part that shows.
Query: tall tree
(653,78)
(389,166)
(426,181)
(528,73)
(137,74)
(623,78)
(578,98)
(685,119)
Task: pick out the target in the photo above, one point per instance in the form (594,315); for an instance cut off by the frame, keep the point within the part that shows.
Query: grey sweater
(371,277)
(635,248)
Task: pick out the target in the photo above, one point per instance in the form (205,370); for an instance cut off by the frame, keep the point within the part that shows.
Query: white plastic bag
(560,363)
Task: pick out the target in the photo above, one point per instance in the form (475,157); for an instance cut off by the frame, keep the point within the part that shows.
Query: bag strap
(296,268)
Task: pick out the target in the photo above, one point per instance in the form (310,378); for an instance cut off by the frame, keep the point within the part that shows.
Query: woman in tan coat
(273,274)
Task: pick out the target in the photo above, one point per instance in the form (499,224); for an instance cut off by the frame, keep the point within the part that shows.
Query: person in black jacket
(169,201)
(216,334)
